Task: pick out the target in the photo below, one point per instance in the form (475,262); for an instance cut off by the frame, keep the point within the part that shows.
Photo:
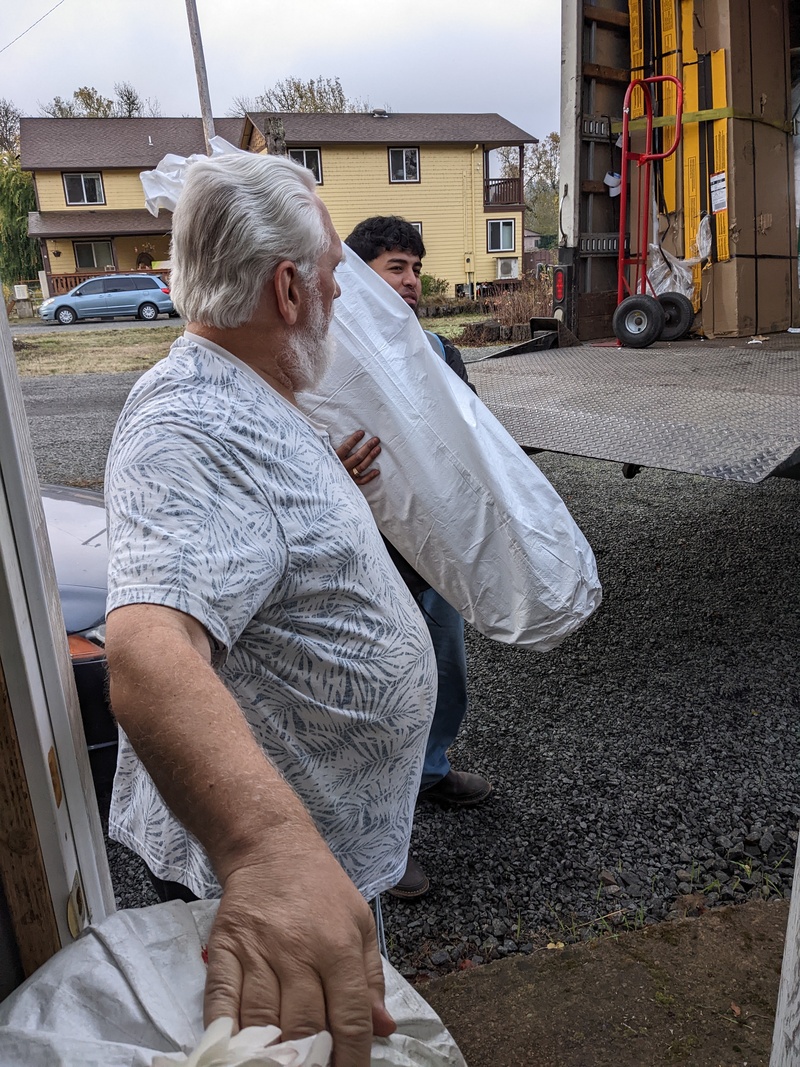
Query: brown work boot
(413,884)
(458,789)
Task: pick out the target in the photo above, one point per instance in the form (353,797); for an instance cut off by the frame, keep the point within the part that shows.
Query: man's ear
(288,296)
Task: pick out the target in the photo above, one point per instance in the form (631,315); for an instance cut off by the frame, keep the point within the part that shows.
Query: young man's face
(401,270)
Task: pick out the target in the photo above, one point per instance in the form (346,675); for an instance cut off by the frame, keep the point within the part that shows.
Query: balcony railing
(62,283)
(501,192)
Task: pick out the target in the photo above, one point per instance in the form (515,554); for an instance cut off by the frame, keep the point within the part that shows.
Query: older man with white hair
(272,676)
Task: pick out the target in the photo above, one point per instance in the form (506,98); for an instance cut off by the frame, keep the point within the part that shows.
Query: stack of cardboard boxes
(734,163)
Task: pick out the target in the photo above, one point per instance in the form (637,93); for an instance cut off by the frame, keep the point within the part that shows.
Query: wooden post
(200,72)
(786,1035)
(22,867)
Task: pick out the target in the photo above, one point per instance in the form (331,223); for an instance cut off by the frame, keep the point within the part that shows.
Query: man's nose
(410,279)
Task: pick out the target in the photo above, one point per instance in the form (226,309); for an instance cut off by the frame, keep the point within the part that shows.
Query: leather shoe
(413,884)
(458,789)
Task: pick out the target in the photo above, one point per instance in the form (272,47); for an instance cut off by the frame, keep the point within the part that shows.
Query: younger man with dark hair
(393,248)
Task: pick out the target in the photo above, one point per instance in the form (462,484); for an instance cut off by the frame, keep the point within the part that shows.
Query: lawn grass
(59,350)
(66,351)
(451,326)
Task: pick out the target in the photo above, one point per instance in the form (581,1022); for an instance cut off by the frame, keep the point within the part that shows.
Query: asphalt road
(650,760)
(28,326)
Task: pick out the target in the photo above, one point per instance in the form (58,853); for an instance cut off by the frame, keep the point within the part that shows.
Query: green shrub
(433,287)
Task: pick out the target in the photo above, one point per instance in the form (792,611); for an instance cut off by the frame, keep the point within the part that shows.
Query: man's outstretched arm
(294,942)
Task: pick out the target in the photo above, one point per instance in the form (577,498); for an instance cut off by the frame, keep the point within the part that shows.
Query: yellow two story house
(91,215)
(440,172)
(437,171)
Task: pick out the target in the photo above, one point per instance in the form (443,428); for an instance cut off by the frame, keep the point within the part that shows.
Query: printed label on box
(718,188)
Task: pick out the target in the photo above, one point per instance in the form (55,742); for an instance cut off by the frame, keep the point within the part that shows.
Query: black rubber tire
(66,316)
(148,312)
(174,315)
(679,315)
(638,321)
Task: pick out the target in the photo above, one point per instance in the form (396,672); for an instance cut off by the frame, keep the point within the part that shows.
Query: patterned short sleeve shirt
(228,504)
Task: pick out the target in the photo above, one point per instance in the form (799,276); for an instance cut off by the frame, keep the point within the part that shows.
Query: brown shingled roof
(65,144)
(96,223)
(308,129)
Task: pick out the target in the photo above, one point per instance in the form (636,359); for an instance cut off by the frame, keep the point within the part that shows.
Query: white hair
(238,216)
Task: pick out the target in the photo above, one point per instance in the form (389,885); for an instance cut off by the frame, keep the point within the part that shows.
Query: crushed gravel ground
(648,767)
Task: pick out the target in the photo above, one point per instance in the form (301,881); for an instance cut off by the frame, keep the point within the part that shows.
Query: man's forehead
(401,255)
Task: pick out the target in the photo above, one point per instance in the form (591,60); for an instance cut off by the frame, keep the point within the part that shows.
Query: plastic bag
(131,989)
(457,496)
(162,186)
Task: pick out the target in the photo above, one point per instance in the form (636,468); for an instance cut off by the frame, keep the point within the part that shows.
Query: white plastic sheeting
(131,990)
(457,496)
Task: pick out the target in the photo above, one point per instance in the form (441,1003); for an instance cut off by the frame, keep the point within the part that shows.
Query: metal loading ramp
(721,409)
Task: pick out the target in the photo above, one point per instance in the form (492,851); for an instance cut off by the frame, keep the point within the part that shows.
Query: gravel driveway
(646,768)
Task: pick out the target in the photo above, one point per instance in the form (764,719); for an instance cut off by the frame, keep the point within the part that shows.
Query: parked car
(76,525)
(143,296)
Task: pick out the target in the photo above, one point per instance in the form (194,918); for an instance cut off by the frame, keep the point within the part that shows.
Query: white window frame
(500,247)
(83,175)
(404,180)
(417,226)
(306,152)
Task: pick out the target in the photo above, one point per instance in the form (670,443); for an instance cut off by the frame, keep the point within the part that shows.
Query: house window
(417,226)
(500,235)
(93,255)
(308,157)
(84,188)
(403,164)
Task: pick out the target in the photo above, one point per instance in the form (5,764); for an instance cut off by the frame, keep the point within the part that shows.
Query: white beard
(310,349)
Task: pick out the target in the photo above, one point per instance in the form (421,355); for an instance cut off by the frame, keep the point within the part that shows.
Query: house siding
(122,189)
(447,201)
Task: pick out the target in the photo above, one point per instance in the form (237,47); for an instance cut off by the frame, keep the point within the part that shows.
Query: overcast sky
(413,55)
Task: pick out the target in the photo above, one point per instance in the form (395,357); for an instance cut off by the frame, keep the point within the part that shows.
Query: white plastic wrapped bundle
(457,496)
(129,993)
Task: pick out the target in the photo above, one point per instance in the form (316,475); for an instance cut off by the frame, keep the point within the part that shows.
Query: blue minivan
(144,296)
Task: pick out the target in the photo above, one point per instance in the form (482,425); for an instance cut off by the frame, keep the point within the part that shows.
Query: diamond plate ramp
(729,412)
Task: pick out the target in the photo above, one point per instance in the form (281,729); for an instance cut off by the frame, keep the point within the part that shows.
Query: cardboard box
(755,37)
(728,296)
(776,282)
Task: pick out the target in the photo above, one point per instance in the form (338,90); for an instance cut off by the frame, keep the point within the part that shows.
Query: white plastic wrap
(130,992)
(456,496)
(668,274)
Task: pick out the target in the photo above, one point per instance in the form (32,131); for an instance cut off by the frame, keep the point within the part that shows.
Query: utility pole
(200,71)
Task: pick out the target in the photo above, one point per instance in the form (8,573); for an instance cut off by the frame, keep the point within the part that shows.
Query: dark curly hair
(384,233)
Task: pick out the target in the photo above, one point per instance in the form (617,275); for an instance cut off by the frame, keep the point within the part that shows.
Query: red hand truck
(641,317)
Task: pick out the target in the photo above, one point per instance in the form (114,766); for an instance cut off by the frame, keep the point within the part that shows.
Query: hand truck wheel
(679,313)
(638,321)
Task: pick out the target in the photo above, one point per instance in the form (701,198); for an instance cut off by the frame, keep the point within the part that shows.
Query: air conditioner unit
(508,268)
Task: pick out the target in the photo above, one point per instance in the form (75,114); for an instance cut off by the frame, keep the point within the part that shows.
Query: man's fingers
(303,1008)
(223,985)
(349,1017)
(382,1023)
(261,1003)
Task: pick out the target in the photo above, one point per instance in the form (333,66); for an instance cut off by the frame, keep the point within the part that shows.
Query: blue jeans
(447,633)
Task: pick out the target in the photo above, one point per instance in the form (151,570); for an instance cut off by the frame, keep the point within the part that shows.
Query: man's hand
(356,460)
(294,942)
(294,946)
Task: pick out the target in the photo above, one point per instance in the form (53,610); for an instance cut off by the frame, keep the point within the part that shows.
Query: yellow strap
(709,115)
